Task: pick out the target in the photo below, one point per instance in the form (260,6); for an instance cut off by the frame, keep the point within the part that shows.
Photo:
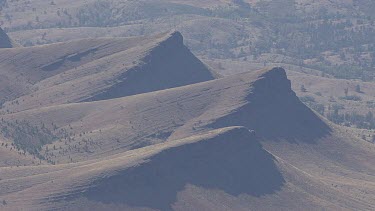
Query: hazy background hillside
(336,37)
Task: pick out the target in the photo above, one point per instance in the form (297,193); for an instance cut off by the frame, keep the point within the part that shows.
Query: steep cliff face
(273,110)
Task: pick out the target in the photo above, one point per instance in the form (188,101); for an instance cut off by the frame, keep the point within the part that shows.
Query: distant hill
(332,36)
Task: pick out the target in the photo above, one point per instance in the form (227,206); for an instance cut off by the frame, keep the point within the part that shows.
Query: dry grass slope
(96,69)
(193,145)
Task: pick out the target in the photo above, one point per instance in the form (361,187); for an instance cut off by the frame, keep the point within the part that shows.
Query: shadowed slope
(275,112)
(169,64)
(5,41)
(233,162)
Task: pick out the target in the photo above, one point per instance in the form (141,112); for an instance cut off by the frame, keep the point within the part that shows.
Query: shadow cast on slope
(275,113)
(234,162)
(5,41)
(76,57)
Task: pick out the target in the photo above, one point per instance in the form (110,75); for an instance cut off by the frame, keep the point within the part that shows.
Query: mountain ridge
(107,142)
(161,62)
(212,101)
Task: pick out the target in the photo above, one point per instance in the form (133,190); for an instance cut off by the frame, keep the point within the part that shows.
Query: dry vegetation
(101,111)
(113,146)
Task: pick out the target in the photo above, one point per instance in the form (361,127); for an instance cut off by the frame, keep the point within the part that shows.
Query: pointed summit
(176,38)
(170,40)
(272,73)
